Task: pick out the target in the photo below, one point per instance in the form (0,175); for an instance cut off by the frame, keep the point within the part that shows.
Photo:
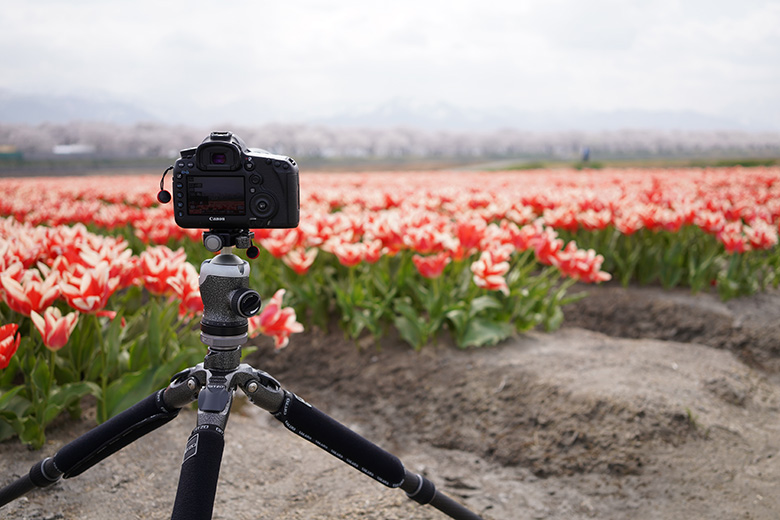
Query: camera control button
(256,179)
(190,164)
(249,165)
(277,164)
(180,164)
(252,190)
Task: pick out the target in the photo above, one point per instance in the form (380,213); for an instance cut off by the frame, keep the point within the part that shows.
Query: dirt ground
(647,404)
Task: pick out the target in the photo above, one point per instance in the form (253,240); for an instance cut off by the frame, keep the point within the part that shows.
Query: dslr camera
(222,184)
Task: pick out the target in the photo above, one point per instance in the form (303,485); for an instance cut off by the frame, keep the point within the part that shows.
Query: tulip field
(100,289)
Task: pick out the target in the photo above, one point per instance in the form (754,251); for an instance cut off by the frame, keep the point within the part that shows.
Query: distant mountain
(23,108)
(35,109)
(444,116)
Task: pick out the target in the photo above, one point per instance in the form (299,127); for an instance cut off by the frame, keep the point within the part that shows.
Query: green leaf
(31,433)
(13,407)
(458,319)
(40,376)
(554,319)
(409,330)
(484,303)
(125,392)
(7,429)
(64,395)
(481,332)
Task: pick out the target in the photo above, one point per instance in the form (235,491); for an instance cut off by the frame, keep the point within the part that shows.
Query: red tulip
(32,294)
(88,290)
(581,264)
(470,234)
(490,270)
(54,327)
(349,254)
(761,235)
(9,343)
(187,288)
(732,238)
(300,259)
(275,321)
(431,266)
(159,264)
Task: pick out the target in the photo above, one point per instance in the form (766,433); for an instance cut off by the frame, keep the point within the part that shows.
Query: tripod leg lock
(423,491)
(45,473)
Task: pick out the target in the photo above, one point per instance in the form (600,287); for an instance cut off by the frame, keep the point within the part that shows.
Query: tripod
(228,303)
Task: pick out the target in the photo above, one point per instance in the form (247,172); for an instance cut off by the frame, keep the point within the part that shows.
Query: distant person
(585,154)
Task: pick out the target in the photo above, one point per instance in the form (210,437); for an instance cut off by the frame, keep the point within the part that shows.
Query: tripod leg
(199,474)
(94,446)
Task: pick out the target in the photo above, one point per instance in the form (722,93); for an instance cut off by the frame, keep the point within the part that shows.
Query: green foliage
(688,257)
(117,363)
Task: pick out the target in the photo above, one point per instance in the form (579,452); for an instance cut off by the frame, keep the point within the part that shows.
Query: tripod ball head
(227,301)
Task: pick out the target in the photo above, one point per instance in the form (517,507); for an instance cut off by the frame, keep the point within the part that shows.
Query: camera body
(222,184)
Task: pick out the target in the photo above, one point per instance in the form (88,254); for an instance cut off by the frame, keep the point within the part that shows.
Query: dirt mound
(526,417)
(573,424)
(749,327)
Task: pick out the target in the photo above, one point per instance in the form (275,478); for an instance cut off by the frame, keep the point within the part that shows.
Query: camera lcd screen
(216,195)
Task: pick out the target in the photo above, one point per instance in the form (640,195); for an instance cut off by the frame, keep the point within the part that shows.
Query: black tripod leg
(199,473)
(95,445)
(422,490)
(317,427)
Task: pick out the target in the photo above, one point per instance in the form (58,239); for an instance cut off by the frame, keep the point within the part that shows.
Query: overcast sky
(303,59)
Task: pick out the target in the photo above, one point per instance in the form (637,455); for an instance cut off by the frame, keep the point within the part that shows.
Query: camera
(222,184)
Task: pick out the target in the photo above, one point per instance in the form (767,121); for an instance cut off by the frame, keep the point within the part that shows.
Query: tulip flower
(9,343)
(470,234)
(733,238)
(54,327)
(300,259)
(490,272)
(373,251)
(279,242)
(761,235)
(349,254)
(581,264)
(31,294)
(158,265)
(275,321)
(88,290)
(431,266)
(187,288)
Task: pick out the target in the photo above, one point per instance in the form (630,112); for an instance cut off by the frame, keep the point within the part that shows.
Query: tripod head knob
(217,239)
(212,243)
(245,302)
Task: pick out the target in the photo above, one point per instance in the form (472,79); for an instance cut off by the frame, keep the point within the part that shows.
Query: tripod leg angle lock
(228,303)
